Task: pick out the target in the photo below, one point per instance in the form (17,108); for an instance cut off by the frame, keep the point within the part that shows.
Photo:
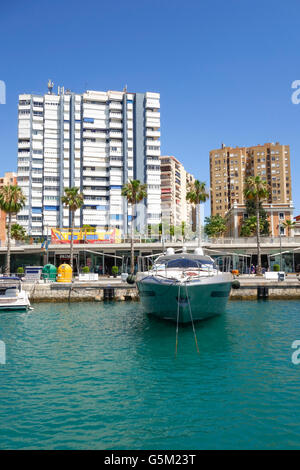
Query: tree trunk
(7,267)
(258,239)
(132,241)
(72,235)
(199,225)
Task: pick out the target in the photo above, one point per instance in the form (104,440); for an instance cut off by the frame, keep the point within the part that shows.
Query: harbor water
(105,376)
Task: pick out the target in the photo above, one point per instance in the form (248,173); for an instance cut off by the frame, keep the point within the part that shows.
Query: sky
(224,69)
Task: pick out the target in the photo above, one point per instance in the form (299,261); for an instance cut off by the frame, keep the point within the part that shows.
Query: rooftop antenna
(125,89)
(50,86)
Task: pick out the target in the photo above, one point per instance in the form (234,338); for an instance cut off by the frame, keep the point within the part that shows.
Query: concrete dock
(255,287)
(106,289)
(250,288)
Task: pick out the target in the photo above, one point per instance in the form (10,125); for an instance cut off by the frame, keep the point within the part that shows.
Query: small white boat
(184,287)
(12,296)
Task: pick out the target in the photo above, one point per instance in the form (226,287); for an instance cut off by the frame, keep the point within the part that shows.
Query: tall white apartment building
(96,141)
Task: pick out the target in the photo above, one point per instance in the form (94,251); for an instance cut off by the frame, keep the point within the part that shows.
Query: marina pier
(250,288)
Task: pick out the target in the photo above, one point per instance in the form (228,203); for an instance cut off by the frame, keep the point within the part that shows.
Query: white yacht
(184,287)
(12,296)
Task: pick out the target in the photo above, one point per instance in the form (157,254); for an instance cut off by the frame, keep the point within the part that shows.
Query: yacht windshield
(184,262)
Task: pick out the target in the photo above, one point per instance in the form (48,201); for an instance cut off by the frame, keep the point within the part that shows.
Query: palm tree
(72,199)
(256,190)
(196,194)
(12,200)
(18,232)
(183,229)
(289,224)
(134,192)
(249,227)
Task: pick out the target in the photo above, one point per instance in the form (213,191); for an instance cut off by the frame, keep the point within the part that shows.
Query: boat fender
(131,279)
(236,284)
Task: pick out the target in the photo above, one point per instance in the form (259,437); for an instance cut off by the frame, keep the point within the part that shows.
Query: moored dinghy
(184,287)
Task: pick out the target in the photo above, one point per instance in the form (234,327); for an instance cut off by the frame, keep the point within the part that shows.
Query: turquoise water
(104,376)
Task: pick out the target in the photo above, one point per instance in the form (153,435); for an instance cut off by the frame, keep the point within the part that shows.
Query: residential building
(229,167)
(277,214)
(174,186)
(96,141)
(9,178)
(296,228)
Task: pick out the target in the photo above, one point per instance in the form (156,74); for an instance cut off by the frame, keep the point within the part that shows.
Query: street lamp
(279,226)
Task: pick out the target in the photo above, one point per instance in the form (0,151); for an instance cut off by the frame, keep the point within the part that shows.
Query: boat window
(183,263)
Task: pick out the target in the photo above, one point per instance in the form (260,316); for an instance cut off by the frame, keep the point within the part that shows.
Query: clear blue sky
(224,68)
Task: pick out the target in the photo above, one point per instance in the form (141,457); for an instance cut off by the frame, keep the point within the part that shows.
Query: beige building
(174,186)
(229,167)
(277,213)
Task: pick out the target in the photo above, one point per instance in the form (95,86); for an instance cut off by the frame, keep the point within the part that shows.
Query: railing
(252,240)
(189,241)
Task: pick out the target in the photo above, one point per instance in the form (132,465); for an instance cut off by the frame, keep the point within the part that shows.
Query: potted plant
(276,267)
(115,271)
(85,269)
(20,272)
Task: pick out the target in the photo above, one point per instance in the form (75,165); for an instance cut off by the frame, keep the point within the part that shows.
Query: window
(281,216)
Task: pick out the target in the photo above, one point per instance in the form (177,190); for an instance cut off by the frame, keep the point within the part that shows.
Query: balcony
(118,153)
(114,105)
(90,134)
(24,154)
(152,161)
(150,133)
(154,143)
(116,161)
(24,145)
(95,192)
(153,152)
(95,173)
(152,115)
(115,125)
(115,115)
(115,135)
(152,103)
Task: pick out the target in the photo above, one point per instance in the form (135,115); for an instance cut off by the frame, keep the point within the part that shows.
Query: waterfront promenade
(106,254)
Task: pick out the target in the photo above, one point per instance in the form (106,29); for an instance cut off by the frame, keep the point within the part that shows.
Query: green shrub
(115,270)
(86,269)
(276,267)
(20,270)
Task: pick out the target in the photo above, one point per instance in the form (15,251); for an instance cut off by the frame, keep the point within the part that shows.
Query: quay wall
(288,289)
(79,293)
(83,292)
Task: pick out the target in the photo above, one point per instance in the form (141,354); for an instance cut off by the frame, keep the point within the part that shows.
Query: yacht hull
(196,300)
(5,308)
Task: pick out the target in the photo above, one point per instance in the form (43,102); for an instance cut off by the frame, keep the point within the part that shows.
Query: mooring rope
(195,336)
(70,291)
